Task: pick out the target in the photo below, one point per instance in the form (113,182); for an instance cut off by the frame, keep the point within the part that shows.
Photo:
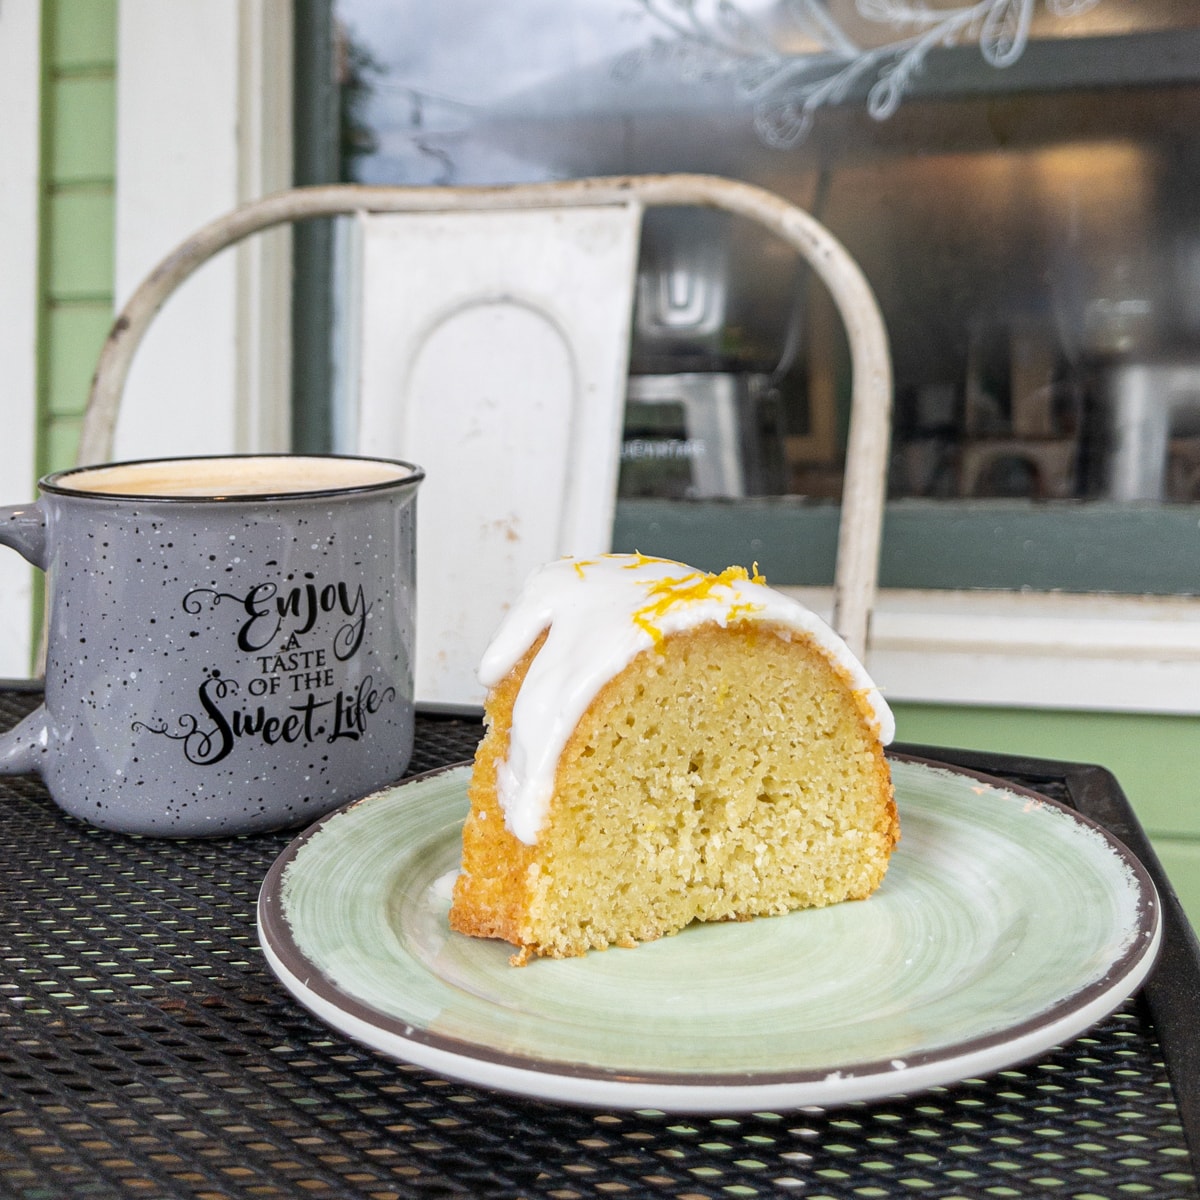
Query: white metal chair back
(864,481)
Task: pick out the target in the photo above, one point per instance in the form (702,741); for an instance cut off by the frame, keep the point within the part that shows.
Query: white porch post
(20,73)
(203,124)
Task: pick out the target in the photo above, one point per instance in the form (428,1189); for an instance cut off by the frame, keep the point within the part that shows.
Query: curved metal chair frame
(865,477)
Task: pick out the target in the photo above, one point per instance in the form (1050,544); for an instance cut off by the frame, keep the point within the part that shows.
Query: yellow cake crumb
(726,773)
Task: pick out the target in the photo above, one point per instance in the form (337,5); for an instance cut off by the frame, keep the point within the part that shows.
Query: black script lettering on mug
(267,611)
(351,710)
(205,745)
(291,661)
(208,744)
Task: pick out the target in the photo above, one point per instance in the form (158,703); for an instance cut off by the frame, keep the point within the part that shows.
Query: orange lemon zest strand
(638,559)
(696,586)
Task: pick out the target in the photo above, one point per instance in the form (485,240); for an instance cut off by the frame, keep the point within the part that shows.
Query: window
(1016,180)
(1021,200)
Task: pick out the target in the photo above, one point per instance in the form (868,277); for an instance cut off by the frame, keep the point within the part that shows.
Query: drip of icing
(598,615)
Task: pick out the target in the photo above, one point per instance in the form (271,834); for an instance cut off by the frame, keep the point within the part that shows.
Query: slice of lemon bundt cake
(666,746)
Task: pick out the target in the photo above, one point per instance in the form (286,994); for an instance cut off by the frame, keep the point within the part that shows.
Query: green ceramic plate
(1006,925)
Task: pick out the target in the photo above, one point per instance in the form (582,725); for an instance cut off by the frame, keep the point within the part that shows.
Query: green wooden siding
(79,61)
(1155,758)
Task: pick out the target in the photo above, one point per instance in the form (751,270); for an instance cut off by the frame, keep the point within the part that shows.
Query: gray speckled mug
(230,639)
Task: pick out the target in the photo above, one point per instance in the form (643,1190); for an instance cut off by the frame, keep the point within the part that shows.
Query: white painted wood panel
(494,353)
(1088,653)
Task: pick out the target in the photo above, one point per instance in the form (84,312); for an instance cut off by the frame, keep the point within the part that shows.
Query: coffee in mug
(229,643)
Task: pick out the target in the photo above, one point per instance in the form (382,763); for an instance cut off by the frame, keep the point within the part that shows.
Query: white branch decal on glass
(704,41)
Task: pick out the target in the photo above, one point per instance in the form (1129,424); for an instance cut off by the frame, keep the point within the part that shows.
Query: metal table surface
(147,1051)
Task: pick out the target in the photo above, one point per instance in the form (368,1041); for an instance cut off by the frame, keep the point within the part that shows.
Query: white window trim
(203,124)
(1047,650)
(20,79)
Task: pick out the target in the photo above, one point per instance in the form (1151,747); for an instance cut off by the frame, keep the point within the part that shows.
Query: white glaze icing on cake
(600,613)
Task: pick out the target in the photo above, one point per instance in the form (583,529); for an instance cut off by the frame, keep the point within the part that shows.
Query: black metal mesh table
(147,1051)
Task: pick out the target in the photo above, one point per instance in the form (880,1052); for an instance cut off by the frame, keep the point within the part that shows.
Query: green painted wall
(79,61)
(1155,758)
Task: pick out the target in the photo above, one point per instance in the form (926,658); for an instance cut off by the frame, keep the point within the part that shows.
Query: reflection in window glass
(1016,177)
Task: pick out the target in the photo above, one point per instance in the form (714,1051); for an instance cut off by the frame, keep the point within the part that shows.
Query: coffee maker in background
(704,412)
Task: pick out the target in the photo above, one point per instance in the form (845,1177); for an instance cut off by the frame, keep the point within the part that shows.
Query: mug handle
(23,527)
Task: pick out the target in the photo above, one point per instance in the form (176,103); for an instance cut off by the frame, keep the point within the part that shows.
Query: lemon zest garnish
(738,611)
(638,559)
(692,588)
